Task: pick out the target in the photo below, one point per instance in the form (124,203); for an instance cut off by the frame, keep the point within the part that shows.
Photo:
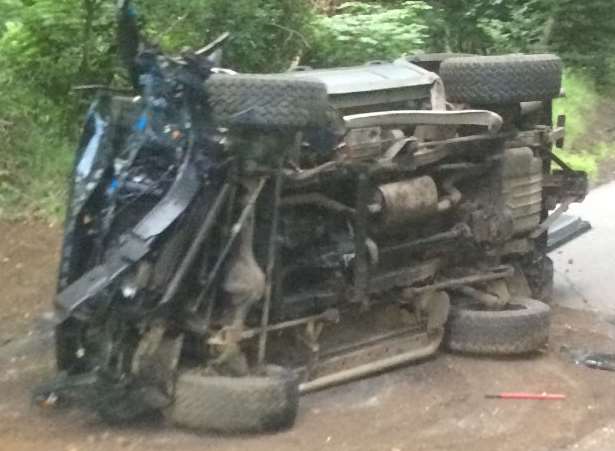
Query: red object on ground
(521,395)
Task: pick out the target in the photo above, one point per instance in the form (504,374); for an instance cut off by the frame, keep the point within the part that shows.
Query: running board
(396,347)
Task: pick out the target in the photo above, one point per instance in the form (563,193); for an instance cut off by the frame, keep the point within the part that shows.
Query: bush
(362,31)
(45,49)
(49,46)
(266,35)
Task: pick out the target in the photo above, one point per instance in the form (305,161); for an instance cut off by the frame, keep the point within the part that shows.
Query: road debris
(594,360)
(599,361)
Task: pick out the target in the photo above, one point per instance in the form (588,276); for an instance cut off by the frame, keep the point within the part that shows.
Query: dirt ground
(438,404)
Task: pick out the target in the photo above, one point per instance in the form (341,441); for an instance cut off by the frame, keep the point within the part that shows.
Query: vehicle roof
(371,84)
(370,77)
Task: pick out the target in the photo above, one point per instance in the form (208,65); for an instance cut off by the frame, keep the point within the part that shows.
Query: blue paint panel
(141,123)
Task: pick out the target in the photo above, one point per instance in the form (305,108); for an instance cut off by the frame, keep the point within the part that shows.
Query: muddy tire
(266,102)
(521,328)
(236,404)
(502,80)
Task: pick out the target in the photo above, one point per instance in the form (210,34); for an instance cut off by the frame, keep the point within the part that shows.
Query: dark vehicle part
(134,247)
(539,273)
(502,80)
(521,327)
(256,403)
(433,61)
(266,102)
(566,229)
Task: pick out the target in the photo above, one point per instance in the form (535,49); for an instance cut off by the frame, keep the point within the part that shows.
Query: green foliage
(46,47)
(266,35)
(364,31)
(463,25)
(36,148)
(584,34)
(49,46)
(581,99)
(582,107)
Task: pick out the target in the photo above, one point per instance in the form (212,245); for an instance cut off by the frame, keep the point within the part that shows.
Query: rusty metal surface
(522,188)
(406,201)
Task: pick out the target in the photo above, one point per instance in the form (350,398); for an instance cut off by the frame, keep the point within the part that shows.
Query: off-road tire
(521,328)
(502,80)
(236,404)
(266,101)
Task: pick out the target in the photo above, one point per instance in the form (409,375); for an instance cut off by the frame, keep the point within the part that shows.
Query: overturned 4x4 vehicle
(234,241)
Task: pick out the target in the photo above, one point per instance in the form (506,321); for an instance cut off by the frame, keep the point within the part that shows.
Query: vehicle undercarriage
(236,240)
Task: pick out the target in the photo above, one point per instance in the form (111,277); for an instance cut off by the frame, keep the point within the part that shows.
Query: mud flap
(565,229)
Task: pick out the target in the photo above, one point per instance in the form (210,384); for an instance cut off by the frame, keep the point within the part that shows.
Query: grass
(33,176)
(582,100)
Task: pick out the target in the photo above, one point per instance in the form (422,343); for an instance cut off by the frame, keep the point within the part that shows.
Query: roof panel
(370,77)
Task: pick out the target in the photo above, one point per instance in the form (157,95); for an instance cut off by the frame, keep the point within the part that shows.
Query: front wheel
(267,401)
(266,102)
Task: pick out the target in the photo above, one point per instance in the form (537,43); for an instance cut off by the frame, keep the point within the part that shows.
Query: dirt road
(436,405)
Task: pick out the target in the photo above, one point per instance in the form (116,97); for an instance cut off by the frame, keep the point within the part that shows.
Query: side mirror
(213,46)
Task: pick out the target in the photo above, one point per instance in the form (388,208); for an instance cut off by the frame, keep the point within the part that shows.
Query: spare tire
(502,80)
(266,101)
(260,403)
(522,327)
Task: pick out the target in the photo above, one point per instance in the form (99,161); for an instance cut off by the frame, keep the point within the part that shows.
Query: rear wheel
(521,327)
(503,79)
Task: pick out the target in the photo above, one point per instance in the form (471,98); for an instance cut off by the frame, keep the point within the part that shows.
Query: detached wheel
(260,403)
(267,101)
(502,80)
(521,328)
